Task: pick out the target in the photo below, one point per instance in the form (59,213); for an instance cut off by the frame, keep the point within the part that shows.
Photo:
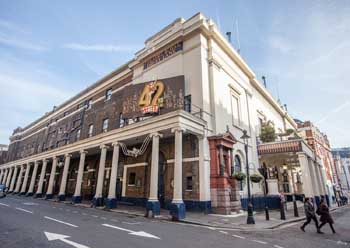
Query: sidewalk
(236,221)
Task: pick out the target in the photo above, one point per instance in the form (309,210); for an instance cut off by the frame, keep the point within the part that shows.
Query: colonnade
(314,184)
(17,182)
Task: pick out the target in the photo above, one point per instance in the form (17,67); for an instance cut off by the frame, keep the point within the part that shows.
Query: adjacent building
(3,153)
(163,131)
(319,142)
(342,162)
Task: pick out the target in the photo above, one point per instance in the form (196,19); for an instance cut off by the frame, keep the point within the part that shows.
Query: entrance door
(161,187)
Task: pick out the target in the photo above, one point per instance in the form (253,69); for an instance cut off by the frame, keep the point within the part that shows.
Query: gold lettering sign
(150,99)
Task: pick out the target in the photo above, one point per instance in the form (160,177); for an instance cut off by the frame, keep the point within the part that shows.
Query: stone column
(305,175)
(25,180)
(49,192)
(13,180)
(32,180)
(204,174)
(221,161)
(5,176)
(178,209)
(319,179)
(1,174)
(314,181)
(19,180)
(322,182)
(77,193)
(111,200)
(153,204)
(9,175)
(98,199)
(39,191)
(62,193)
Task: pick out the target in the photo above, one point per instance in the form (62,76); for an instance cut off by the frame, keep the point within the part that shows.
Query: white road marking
(75,212)
(59,221)
(237,236)
(53,207)
(114,220)
(3,204)
(139,233)
(61,208)
(260,242)
(223,232)
(67,210)
(103,218)
(84,213)
(24,210)
(277,246)
(63,238)
(131,223)
(30,203)
(94,216)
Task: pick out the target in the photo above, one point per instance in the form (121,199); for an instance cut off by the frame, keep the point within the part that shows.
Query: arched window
(238,163)
(238,167)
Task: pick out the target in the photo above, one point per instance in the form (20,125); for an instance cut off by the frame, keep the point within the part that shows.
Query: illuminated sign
(150,100)
(163,55)
(156,97)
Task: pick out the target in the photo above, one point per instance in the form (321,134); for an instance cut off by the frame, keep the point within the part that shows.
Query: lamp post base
(250,218)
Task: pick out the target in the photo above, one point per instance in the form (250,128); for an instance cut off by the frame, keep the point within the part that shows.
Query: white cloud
(19,43)
(12,27)
(280,43)
(334,111)
(101,47)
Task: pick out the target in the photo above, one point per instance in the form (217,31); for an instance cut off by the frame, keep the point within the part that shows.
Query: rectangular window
(78,134)
(121,120)
(105,125)
(189,183)
(236,115)
(108,94)
(91,130)
(89,104)
(132,179)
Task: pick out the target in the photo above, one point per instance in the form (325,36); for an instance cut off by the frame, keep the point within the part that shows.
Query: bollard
(267,215)
(283,214)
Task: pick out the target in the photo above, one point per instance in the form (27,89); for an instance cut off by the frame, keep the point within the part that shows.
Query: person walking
(310,214)
(326,217)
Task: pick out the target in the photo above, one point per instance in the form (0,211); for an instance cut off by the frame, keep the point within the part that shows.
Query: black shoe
(318,231)
(302,228)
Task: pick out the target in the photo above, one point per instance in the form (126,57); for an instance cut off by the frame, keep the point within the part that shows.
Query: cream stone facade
(161,159)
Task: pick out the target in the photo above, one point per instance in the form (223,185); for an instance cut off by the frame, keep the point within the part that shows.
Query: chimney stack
(228,34)
(264,80)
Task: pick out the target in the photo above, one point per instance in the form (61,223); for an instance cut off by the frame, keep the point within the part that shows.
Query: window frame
(105,129)
(91,130)
(108,94)
(187,183)
(234,95)
(129,176)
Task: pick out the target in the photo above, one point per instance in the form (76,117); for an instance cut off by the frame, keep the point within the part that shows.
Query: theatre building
(161,131)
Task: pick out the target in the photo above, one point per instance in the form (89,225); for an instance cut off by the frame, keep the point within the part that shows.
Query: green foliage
(289,131)
(239,176)
(256,178)
(268,133)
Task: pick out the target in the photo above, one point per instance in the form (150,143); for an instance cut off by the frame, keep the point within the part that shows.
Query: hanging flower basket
(256,178)
(239,176)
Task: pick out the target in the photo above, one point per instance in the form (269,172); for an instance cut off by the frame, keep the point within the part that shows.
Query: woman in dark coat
(325,215)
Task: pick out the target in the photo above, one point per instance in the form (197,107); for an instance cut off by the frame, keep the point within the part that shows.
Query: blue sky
(50,50)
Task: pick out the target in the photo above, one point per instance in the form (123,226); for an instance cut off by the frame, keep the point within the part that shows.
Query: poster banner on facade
(154,97)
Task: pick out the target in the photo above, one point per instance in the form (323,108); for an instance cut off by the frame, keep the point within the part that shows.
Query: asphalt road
(28,222)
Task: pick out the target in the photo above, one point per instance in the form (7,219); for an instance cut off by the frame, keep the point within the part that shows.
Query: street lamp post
(250,217)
